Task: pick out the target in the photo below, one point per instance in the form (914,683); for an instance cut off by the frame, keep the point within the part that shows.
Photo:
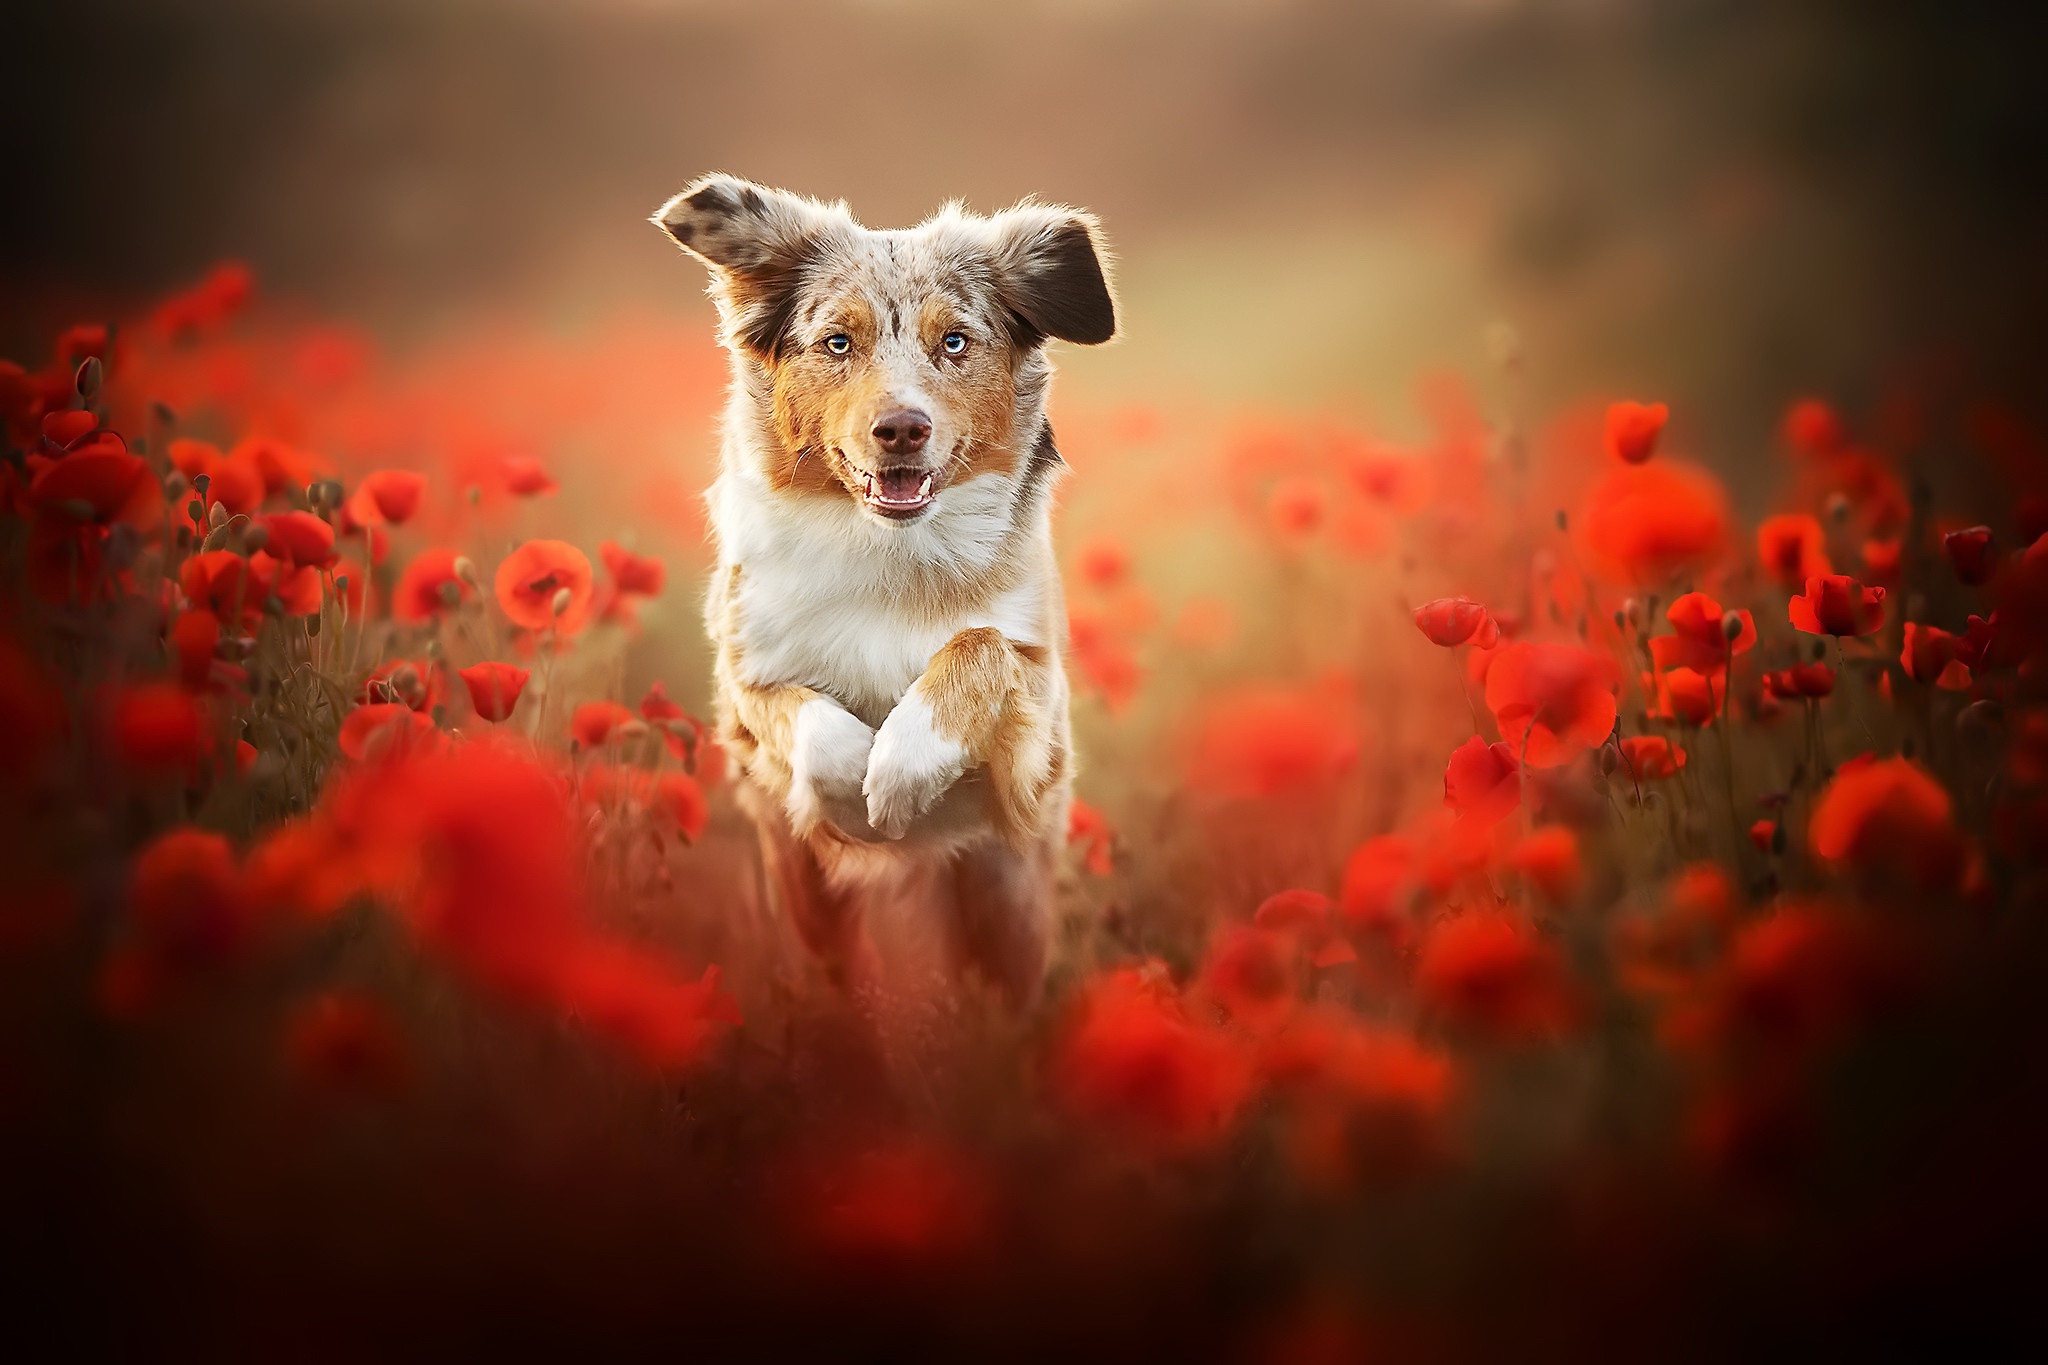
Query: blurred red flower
(187,900)
(1087,828)
(1892,825)
(194,636)
(234,481)
(1263,741)
(157,729)
(1633,429)
(1131,1058)
(1650,758)
(1549,858)
(1835,604)
(1250,971)
(1644,523)
(387,495)
(1934,656)
(1551,701)
(1973,554)
(384,730)
(1482,782)
(1689,696)
(1104,563)
(299,538)
(634,575)
(346,1043)
(1792,548)
(1801,681)
(594,721)
(428,587)
(538,575)
(527,477)
(1811,428)
(1479,972)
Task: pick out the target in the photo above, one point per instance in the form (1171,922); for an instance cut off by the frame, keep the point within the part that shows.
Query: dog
(886,610)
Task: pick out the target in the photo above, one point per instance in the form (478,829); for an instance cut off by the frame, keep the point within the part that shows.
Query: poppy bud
(216,539)
(563,597)
(465,569)
(631,730)
(201,482)
(176,485)
(196,510)
(163,413)
(1838,508)
(88,377)
(312,622)
(1731,625)
(341,591)
(1610,759)
(1632,611)
(450,594)
(256,537)
(315,493)
(218,517)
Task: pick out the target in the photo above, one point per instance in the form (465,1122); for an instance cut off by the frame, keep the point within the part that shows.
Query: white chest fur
(831,598)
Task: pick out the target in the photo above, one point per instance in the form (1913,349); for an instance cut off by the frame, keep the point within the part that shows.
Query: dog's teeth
(924,490)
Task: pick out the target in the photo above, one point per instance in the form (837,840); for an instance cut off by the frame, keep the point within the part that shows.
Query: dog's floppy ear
(757,242)
(1052,269)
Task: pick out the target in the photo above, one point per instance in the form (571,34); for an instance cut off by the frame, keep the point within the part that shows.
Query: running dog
(887,610)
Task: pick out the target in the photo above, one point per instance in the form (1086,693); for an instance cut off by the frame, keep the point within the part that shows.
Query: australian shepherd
(886,609)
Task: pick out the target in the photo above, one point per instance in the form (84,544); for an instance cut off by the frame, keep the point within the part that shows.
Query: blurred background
(1314,200)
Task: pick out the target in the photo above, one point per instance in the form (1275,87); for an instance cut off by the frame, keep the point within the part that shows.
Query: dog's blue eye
(839,343)
(954,343)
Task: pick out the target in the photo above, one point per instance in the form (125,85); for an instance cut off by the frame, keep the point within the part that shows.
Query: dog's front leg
(811,748)
(972,693)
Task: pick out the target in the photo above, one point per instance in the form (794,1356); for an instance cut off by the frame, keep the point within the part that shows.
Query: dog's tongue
(900,485)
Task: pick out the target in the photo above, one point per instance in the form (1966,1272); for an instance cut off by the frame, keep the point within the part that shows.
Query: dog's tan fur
(890,680)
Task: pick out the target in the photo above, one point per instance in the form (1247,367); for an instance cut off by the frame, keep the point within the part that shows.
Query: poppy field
(1514,900)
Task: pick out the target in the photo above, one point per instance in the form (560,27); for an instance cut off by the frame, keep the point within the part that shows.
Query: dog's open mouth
(900,493)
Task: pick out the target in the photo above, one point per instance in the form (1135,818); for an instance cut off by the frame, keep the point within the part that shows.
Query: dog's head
(891,366)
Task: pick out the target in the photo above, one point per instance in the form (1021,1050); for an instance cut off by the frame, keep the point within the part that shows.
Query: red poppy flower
(1764,835)
(1835,604)
(1087,827)
(295,586)
(1892,824)
(1801,681)
(233,481)
(219,582)
(157,729)
(635,575)
(1551,701)
(299,538)
(1132,1058)
(1549,859)
(283,469)
(1264,741)
(1250,972)
(1104,563)
(428,587)
(1689,696)
(679,795)
(1934,656)
(1882,558)
(188,899)
(102,485)
(527,477)
(1812,428)
(1451,621)
(1701,640)
(194,637)
(1483,782)
(594,722)
(1480,972)
(1651,758)
(1633,429)
(656,706)
(348,1044)
(387,495)
(1304,917)
(494,688)
(1104,658)
(534,576)
(67,428)
(1973,553)
(1644,523)
(384,730)
(1792,548)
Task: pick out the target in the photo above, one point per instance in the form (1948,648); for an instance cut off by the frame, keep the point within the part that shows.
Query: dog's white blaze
(824,595)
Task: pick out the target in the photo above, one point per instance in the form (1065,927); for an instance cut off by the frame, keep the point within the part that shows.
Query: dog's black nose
(903,432)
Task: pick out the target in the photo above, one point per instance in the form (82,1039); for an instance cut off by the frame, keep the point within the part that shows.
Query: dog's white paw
(828,761)
(910,767)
